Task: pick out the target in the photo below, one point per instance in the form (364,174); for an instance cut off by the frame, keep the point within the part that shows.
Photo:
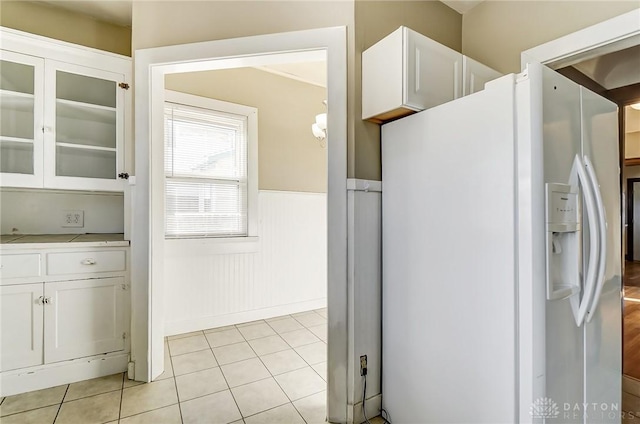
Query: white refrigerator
(501,257)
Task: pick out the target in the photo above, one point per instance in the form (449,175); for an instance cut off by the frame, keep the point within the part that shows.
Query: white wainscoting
(284,271)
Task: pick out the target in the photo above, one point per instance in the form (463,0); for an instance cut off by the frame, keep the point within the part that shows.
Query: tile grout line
(309,365)
(270,373)
(121,395)
(225,379)
(175,382)
(61,401)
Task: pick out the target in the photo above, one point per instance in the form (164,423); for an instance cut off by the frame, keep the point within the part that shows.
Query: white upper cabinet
(64,114)
(84,146)
(433,72)
(406,72)
(21,100)
(476,75)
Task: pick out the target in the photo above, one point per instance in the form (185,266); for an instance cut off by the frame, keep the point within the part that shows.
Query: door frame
(630,181)
(614,34)
(147,347)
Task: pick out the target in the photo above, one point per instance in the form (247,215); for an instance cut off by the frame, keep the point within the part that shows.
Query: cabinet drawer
(20,265)
(85,262)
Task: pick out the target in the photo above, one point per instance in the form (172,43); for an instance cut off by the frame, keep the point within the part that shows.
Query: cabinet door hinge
(123,85)
(125,286)
(123,175)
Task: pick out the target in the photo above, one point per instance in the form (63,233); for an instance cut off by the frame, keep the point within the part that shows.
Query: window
(209,162)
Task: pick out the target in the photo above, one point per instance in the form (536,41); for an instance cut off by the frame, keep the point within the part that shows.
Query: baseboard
(51,375)
(631,385)
(196,324)
(372,405)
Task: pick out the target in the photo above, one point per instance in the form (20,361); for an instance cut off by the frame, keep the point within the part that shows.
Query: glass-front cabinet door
(21,120)
(84,145)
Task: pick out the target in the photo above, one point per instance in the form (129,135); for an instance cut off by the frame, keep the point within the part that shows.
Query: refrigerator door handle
(602,224)
(580,307)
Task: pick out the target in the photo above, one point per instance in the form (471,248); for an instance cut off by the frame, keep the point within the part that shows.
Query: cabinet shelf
(16,101)
(85,146)
(5,139)
(13,93)
(85,112)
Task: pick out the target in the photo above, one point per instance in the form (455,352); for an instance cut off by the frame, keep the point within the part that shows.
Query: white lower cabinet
(83,318)
(64,315)
(21,312)
(79,318)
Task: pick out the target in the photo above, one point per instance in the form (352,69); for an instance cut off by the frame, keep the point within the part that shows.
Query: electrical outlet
(73,219)
(363,365)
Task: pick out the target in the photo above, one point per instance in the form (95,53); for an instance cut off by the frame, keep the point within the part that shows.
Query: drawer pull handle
(88,261)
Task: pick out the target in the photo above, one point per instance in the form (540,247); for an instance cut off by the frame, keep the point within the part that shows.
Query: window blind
(206,172)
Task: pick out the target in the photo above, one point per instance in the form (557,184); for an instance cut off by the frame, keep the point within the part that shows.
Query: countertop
(61,240)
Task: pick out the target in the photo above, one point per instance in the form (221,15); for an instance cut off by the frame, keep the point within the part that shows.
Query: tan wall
(61,24)
(495,32)
(171,22)
(375,20)
(290,158)
(632,145)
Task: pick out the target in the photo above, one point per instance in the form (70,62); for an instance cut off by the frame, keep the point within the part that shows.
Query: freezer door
(603,367)
(564,340)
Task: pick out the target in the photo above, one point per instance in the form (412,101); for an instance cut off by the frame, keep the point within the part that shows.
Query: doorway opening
(149,247)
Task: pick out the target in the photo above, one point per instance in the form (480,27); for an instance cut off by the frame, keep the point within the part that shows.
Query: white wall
(365,297)
(285,273)
(41,211)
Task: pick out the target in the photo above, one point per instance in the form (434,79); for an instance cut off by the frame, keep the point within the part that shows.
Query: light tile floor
(267,371)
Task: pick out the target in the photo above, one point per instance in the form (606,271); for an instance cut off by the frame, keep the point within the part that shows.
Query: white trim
(605,37)
(373,406)
(187,326)
(183,247)
(354,184)
(252,144)
(66,372)
(148,248)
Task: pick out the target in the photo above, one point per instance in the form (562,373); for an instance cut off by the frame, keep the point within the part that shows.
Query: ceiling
(613,70)
(310,72)
(116,12)
(462,6)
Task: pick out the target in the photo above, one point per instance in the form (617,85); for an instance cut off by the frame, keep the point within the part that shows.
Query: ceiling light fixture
(319,128)
(636,106)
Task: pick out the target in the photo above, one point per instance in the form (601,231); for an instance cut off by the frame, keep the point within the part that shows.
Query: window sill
(211,246)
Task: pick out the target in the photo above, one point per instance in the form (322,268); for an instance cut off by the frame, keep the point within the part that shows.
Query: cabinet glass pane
(89,126)
(87,163)
(84,89)
(16,77)
(16,158)
(16,116)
